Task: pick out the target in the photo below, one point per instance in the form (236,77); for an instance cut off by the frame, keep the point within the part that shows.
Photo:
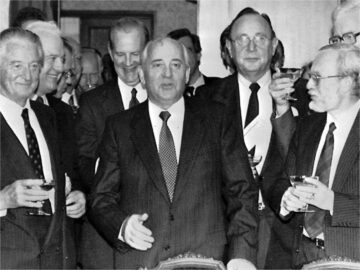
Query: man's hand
(136,234)
(240,264)
(290,202)
(316,194)
(23,193)
(279,88)
(75,204)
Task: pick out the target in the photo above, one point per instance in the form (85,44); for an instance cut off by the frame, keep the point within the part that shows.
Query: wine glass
(294,74)
(47,185)
(300,180)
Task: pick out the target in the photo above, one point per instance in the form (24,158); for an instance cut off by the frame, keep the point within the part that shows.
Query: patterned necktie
(34,153)
(134,101)
(40,100)
(314,220)
(253,107)
(167,154)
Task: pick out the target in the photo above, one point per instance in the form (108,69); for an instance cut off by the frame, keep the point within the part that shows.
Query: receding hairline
(243,17)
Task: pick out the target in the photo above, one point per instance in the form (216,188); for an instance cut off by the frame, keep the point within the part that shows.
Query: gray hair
(14,33)
(348,62)
(150,46)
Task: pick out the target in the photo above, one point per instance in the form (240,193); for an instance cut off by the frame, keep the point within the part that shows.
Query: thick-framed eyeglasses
(316,78)
(260,40)
(349,38)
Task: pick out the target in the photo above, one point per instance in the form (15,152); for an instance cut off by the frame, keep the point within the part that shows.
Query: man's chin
(316,108)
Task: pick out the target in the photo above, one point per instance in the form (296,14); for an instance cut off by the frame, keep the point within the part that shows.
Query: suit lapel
(349,156)
(112,100)
(192,136)
(144,142)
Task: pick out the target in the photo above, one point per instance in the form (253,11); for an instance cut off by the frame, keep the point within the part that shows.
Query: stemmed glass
(294,74)
(47,185)
(300,180)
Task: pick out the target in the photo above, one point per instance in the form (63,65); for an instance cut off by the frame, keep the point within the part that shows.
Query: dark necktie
(40,100)
(167,154)
(314,220)
(253,107)
(134,101)
(34,153)
(189,91)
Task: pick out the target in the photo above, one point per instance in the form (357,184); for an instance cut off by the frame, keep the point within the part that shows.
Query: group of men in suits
(166,174)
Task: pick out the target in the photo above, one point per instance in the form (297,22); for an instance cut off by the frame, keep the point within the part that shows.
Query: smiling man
(171,170)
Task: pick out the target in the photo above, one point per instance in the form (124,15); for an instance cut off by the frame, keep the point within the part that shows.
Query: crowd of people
(127,160)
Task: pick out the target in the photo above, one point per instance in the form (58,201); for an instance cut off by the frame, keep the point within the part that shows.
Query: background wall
(4,14)
(302,25)
(169,15)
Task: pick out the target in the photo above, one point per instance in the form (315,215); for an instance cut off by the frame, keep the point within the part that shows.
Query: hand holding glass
(292,73)
(300,180)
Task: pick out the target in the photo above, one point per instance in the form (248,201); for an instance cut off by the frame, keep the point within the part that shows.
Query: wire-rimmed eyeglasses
(349,38)
(243,40)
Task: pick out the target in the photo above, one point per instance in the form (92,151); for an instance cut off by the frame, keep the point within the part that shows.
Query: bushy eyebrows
(172,60)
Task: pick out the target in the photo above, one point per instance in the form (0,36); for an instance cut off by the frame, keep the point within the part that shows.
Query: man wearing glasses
(326,145)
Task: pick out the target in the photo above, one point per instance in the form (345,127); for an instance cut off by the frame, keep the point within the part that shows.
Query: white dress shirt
(44,98)
(258,132)
(11,111)
(125,91)
(199,82)
(175,122)
(66,97)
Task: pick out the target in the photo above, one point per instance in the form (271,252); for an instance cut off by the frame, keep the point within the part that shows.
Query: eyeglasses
(317,78)
(68,74)
(244,40)
(349,38)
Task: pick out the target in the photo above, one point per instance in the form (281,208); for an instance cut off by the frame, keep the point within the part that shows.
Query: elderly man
(91,70)
(325,145)
(192,44)
(127,39)
(29,154)
(163,167)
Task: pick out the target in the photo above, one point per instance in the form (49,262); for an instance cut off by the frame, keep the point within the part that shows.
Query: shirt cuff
(3,213)
(121,235)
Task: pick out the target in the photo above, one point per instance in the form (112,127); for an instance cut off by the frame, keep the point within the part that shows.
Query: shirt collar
(200,81)
(176,110)
(123,85)
(345,119)
(7,106)
(263,81)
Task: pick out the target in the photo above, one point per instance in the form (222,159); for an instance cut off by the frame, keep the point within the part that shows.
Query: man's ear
(347,85)
(141,74)
(274,43)
(228,46)
(110,52)
(198,57)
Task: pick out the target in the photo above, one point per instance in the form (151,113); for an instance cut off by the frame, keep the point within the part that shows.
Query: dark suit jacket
(32,242)
(342,229)
(213,159)
(95,106)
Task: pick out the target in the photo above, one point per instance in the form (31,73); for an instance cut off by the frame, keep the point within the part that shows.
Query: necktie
(253,107)
(134,101)
(40,100)
(34,153)
(189,91)
(314,220)
(167,154)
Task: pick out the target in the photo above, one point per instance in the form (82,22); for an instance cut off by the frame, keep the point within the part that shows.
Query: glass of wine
(294,74)
(300,180)
(47,185)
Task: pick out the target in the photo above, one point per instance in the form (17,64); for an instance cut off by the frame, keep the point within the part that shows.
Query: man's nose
(167,72)
(58,65)
(251,45)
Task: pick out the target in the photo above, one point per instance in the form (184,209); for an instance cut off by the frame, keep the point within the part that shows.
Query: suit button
(166,248)
(297,250)
(171,217)
(301,226)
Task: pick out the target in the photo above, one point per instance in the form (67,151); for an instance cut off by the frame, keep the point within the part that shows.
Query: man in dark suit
(192,44)
(29,154)
(173,174)
(257,102)
(326,145)
(127,39)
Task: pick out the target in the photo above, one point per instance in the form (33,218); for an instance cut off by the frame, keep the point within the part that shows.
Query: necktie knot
(254,87)
(134,101)
(332,127)
(25,115)
(165,115)
(133,92)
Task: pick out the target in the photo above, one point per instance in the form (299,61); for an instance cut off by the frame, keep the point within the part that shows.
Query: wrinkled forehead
(166,49)
(347,22)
